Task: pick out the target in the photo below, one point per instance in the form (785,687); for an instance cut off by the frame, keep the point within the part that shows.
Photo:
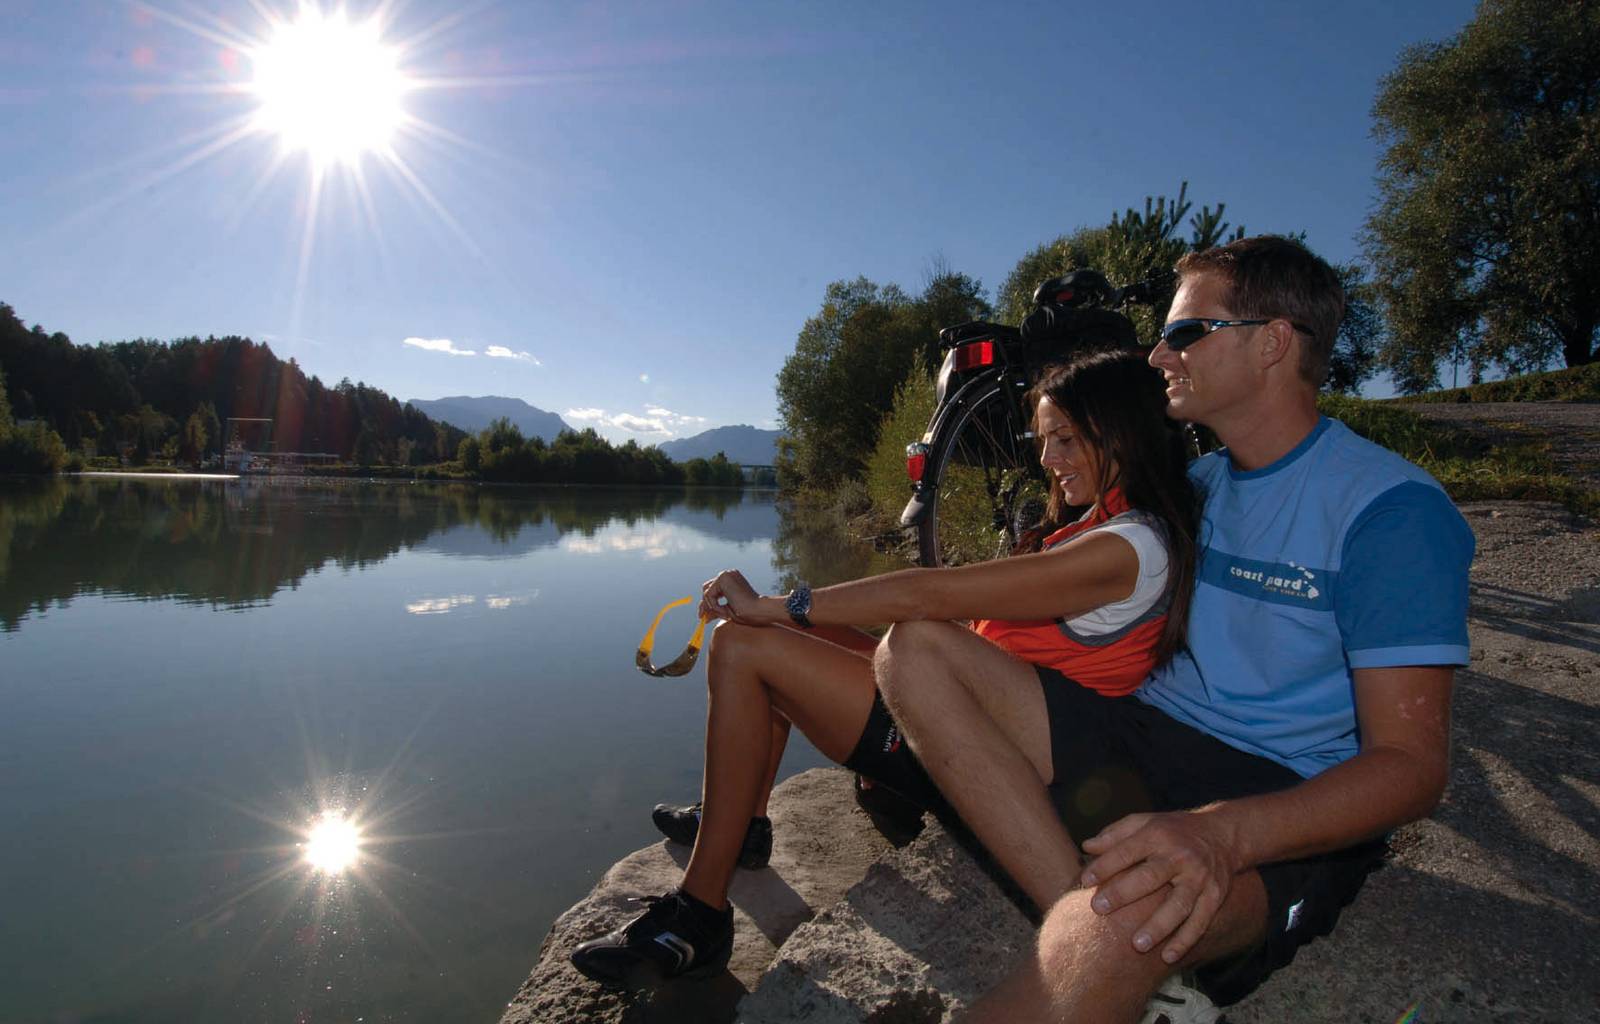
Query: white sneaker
(1175,1002)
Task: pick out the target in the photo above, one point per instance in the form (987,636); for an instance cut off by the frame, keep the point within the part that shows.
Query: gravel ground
(1572,429)
(1489,911)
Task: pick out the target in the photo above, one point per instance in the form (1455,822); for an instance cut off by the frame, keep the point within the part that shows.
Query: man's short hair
(1270,276)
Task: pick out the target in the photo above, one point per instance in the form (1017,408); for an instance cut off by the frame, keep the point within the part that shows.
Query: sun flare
(333,844)
(329,87)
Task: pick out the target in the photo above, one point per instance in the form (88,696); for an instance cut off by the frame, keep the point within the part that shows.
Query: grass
(1469,471)
(1579,384)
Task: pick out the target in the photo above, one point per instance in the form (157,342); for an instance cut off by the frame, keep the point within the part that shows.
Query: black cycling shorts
(1115,756)
(883,755)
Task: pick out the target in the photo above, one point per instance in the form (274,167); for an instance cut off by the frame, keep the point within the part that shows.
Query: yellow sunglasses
(680,665)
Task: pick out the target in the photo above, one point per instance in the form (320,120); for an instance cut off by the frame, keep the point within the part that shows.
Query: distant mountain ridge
(475,414)
(741,443)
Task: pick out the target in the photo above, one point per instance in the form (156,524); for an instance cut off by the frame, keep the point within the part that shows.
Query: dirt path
(1489,911)
(1572,429)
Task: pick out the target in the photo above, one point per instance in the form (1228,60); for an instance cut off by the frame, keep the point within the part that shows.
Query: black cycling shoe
(676,937)
(682,824)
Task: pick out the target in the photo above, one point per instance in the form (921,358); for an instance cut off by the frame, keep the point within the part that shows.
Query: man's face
(1213,375)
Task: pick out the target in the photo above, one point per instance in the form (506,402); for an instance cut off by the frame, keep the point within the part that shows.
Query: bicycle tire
(984,469)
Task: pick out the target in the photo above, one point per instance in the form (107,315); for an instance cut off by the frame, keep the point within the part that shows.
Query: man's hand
(1191,853)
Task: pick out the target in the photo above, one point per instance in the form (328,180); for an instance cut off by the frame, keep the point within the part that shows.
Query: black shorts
(882,755)
(1115,756)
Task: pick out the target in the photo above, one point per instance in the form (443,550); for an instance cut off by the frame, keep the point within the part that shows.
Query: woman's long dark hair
(1118,402)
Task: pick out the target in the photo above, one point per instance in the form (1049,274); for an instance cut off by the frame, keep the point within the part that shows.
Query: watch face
(799,603)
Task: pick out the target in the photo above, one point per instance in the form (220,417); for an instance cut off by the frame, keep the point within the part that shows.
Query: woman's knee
(733,646)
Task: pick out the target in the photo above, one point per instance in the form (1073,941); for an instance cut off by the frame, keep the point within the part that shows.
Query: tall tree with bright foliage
(1486,237)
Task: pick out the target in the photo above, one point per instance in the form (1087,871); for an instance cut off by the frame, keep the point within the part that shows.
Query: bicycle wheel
(988,486)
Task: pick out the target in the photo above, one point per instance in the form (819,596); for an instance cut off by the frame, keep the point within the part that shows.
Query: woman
(1099,603)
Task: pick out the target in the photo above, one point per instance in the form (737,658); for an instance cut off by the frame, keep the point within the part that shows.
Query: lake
(196,673)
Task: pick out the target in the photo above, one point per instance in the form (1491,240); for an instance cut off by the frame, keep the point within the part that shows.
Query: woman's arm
(1087,572)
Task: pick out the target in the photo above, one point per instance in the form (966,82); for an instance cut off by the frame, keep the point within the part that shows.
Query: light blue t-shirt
(1341,555)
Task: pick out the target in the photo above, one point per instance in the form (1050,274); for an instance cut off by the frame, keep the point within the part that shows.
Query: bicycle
(976,481)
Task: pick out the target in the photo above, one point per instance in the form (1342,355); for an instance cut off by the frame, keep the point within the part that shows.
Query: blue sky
(636,206)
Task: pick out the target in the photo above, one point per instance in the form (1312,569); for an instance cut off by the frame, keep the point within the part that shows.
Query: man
(1263,767)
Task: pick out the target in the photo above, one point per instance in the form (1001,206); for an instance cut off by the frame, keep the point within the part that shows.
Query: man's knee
(902,655)
(1090,948)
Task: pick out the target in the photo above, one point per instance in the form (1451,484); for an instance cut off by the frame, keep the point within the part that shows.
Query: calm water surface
(193,672)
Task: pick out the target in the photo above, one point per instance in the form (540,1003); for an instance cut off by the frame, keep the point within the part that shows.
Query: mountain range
(741,443)
(475,414)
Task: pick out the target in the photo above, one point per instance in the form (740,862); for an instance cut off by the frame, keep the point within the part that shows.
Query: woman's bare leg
(780,740)
(751,673)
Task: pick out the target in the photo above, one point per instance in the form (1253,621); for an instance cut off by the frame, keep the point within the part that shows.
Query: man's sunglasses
(1180,334)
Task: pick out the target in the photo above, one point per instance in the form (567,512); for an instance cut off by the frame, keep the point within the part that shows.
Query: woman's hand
(730,596)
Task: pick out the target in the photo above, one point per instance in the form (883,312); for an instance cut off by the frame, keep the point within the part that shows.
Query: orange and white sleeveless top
(1110,649)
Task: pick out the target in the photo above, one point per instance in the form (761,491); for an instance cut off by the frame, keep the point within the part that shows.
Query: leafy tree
(848,361)
(1137,244)
(367,451)
(212,426)
(31,449)
(1486,237)
(468,454)
(192,446)
(1355,350)
(948,298)
(830,388)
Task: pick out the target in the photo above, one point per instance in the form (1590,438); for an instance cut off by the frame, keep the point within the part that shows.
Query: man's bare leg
(1085,969)
(751,673)
(976,718)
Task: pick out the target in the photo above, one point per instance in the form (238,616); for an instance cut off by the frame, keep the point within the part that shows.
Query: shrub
(886,483)
(1579,384)
(34,448)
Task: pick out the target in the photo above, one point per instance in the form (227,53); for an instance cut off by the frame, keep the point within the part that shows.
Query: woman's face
(1067,456)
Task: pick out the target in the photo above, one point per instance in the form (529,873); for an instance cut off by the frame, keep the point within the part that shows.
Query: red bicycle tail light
(978,353)
(916,461)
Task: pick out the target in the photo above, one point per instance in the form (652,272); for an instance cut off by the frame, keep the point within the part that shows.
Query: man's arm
(1398,776)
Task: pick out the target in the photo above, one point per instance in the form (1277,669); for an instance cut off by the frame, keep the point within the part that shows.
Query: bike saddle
(1074,289)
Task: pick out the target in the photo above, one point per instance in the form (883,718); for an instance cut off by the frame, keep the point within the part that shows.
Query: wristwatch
(798,605)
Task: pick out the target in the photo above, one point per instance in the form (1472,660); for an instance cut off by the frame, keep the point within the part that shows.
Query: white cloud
(501,352)
(444,345)
(644,378)
(656,422)
(672,420)
(639,424)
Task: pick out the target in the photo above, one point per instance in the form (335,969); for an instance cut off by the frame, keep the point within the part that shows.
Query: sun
(329,87)
(333,843)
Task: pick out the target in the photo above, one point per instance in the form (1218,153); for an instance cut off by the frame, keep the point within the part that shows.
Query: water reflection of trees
(810,546)
(234,544)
